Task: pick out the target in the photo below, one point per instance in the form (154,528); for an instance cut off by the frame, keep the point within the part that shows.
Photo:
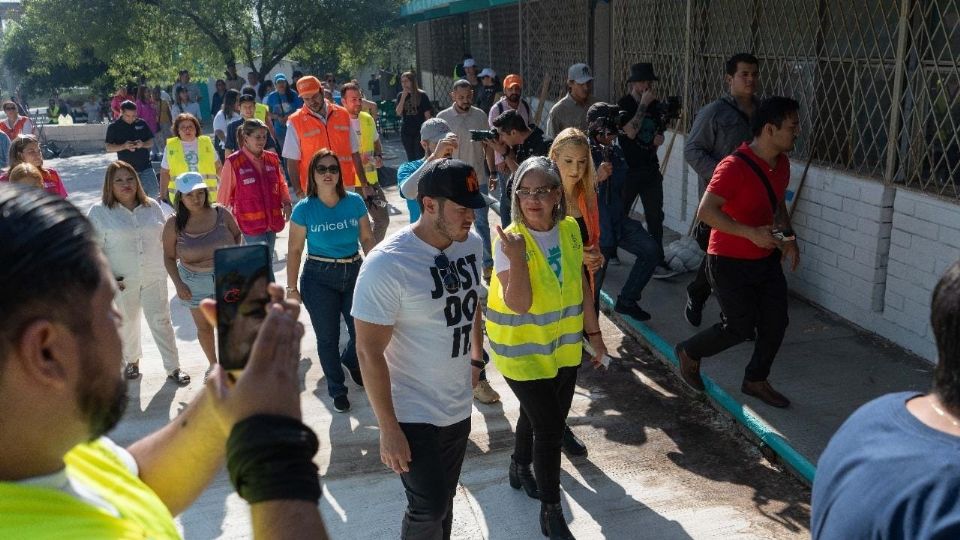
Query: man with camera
(717,130)
(515,141)
(511,100)
(617,228)
(62,391)
(751,236)
(640,137)
(463,117)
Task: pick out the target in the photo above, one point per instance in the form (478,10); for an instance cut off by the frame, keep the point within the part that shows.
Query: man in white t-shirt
(416,307)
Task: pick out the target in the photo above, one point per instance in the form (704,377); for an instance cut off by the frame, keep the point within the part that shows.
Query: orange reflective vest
(256,200)
(13,132)
(313,134)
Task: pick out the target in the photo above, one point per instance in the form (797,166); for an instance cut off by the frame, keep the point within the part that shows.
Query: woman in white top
(228,113)
(129,225)
(184,105)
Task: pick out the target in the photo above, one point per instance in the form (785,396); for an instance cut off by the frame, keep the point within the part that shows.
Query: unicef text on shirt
(341,225)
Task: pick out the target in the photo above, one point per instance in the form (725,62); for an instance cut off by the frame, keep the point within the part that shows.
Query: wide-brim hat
(642,72)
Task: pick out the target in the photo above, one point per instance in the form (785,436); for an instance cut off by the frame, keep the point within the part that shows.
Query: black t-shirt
(119,132)
(231,144)
(486,96)
(639,151)
(534,145)
(414,117)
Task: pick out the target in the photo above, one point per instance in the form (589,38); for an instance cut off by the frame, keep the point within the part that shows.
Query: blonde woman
(128,226)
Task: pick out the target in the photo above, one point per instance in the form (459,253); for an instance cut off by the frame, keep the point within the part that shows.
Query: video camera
(478,135)
(662,112)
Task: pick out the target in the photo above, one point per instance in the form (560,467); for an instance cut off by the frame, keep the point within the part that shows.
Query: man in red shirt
(744,204)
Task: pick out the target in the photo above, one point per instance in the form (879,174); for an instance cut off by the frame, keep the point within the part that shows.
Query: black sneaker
(693,313)
(572,444)
(631,309)
(341,403)
(132,371)
(356,376)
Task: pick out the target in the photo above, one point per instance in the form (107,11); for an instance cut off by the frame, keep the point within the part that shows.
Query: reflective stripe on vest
(13,132)
(207,166)
(44,513)
(313,134)
(534,345)
(255,200)
(368,128)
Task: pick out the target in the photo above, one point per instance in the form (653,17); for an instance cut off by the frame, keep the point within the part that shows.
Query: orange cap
(308,86)
(512,80)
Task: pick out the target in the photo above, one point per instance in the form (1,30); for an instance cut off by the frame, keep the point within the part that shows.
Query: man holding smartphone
(61,391)
(416,307)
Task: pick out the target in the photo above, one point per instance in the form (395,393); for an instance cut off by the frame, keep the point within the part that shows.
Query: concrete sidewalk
(826,366)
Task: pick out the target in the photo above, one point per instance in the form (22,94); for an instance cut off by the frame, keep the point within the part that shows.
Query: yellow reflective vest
(207,166)
(368,128)
(42,513)
(534,345)
(261,112)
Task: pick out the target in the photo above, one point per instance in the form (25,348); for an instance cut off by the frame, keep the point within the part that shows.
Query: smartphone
(242,274)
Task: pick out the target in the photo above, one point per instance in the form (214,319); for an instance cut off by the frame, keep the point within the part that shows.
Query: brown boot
(765,393)
(689,369)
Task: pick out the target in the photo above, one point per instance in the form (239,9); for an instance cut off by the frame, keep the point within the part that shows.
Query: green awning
(423,10)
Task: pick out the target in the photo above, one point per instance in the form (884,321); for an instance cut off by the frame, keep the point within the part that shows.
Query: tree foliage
(65,42)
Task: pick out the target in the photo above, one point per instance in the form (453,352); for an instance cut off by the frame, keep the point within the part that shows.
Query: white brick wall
(870,253)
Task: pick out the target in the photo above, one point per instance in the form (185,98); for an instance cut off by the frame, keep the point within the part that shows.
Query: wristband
(270,457)
(478,364)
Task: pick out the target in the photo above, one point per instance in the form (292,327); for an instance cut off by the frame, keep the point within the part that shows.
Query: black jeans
(699,288)
(647,183)
(437,455)
(753,296)
(544,405)
(411,144)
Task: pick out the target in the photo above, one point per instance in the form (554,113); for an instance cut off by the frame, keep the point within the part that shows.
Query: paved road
(661,465)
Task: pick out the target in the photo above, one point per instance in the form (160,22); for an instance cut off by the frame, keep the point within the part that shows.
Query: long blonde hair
(588,182)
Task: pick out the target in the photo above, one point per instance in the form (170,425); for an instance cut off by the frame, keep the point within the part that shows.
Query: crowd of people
(304,155)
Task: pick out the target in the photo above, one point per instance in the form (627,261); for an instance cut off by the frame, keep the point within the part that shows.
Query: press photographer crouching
(515,141)
(617,228)
(646,119)
(61,391)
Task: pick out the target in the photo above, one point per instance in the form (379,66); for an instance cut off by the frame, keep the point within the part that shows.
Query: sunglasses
(322,169)
(9,108)
(539,193)
(447,273)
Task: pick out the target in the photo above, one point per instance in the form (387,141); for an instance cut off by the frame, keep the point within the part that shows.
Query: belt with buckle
(347,260)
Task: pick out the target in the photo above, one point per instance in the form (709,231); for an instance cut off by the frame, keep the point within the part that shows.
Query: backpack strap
(763,178)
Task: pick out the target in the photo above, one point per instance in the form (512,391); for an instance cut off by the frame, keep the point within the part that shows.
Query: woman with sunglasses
(332,222)
(26,149)
(253,188)
(128,226)
(539,307)
(14,125)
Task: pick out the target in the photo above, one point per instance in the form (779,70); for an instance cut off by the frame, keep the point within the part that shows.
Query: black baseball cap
(455,180)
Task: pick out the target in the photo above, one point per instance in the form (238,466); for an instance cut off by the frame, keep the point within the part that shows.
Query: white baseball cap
(487,72)
(579,73)
(190,181)
(469,62)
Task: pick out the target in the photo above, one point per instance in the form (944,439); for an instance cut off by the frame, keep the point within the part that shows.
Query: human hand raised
(514,245)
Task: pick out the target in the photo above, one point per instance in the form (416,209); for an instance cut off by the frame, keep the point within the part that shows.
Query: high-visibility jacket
(53,114)
(534,345)
(43,513)
(256,201)
(368,128)
(13,132)
(207,166)
(261,112)
(312,134)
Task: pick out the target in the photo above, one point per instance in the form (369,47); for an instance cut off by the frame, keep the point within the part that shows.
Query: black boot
(572,444)
(552,523)
(521,476)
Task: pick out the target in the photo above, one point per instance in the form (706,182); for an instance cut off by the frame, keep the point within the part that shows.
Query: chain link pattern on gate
(841,59)
(555,36)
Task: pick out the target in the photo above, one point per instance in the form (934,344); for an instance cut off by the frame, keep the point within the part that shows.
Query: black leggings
(411,145)
(544,404)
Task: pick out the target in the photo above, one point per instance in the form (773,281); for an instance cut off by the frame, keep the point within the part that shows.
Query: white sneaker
(484,393)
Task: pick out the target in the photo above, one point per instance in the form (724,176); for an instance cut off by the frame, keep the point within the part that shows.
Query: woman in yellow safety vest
(538,310)
(188,151)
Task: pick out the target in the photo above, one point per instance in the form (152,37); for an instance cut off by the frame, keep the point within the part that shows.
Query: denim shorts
(200,284)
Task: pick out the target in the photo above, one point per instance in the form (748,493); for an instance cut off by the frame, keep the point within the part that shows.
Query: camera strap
(763,178)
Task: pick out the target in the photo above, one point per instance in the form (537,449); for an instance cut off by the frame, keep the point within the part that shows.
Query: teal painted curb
(744,416)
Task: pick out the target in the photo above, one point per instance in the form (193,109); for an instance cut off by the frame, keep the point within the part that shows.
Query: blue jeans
(270,239)
(482,225)
(327,293)
(150,182)
(633,239)
(505,200)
